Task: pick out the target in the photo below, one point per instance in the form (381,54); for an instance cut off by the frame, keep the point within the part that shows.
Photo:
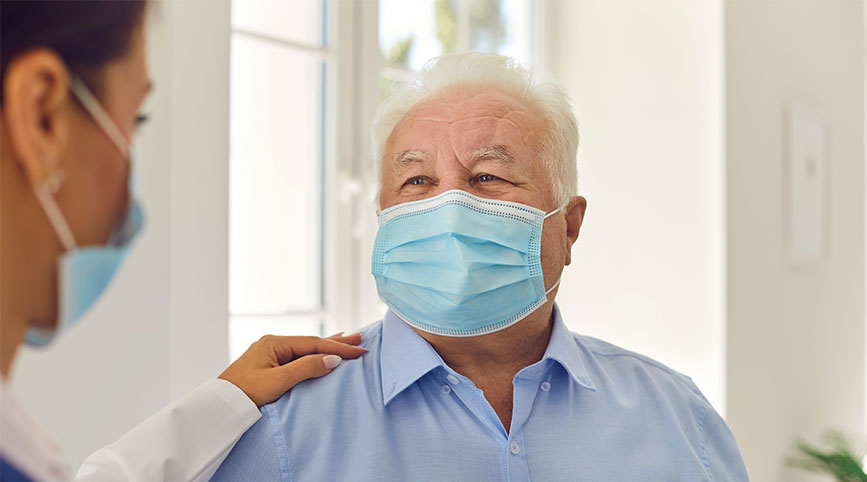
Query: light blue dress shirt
(588,411)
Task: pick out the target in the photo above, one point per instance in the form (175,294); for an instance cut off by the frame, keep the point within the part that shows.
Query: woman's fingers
(353,339)
(274,364)
(306,367)
(287,348)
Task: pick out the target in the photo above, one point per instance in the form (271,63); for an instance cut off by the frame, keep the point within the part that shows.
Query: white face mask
(85,272)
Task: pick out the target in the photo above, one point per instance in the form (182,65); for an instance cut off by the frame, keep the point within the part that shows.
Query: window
(410,33)
(306,77)
(279,63)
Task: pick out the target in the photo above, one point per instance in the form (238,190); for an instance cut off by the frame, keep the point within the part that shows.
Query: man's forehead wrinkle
(465,117)
(495,119)
(497,126)
(430,119)
(457,107)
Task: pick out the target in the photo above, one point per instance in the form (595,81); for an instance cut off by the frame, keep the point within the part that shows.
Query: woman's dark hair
(86,34)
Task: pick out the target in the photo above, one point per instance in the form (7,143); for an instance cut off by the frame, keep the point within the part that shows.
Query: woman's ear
(35,113)
(574,218)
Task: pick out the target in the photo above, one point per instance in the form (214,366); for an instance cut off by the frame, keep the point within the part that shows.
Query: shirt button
(513,447)
(447,389)
(452,379)
(545,386)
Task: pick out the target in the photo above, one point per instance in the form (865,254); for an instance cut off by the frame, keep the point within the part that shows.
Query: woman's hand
(274,364)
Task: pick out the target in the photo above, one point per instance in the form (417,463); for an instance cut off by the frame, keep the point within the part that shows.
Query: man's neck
(500,354)
(492,361)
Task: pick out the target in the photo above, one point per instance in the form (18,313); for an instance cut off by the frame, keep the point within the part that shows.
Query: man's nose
(449,182)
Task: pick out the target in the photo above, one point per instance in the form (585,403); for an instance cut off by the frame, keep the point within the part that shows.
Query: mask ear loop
(42,191)
(55,217)
(558,280)
(552,213)
(552,288)
(88,100)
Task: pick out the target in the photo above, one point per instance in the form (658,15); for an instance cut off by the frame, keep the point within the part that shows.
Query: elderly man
(472,374)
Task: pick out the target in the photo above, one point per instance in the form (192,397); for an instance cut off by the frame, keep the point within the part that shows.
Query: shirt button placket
(514,448)
(518,470)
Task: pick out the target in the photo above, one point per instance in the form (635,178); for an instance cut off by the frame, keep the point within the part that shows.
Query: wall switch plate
(807,186)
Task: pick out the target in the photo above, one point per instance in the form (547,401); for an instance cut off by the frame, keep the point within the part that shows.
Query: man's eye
(416,181)
(486,178)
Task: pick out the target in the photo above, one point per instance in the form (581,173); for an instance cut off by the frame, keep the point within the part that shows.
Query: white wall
(795,336)
(162,327)
(199,191)
(648,268)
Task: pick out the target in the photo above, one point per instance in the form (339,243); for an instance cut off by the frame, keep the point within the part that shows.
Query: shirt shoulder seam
(702,419)
(682,379)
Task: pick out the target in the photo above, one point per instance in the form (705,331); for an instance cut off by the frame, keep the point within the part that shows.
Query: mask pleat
(451,219)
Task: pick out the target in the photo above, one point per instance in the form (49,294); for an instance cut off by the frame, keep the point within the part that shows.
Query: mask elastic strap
(55,217)
(49,204)
(89,101)
(552,213)
(552,288)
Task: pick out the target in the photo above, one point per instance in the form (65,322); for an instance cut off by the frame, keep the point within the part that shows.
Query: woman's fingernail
(331,361)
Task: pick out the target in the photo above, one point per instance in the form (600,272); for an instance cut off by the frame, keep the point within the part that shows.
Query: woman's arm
(188,439)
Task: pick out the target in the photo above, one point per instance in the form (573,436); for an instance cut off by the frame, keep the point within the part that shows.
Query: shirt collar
(406,356)
(565,350)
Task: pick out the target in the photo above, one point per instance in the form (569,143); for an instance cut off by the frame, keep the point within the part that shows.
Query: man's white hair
(474,70)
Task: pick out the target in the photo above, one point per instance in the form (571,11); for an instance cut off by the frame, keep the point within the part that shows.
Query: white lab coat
(185,441)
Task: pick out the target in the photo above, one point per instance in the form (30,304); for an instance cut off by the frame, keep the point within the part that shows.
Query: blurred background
(722,155)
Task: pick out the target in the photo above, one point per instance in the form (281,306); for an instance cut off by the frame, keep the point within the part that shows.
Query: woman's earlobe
(54,180)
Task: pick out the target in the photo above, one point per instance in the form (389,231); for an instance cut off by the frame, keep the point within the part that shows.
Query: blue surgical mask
(85,272)
(460,265)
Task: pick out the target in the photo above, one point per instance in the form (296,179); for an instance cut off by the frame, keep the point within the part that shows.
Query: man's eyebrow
(500,154)
(403,158)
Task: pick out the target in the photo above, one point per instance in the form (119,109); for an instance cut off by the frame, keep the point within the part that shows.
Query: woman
(73,78)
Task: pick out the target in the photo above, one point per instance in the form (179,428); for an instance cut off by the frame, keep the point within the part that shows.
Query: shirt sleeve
(185,441)
(259,455)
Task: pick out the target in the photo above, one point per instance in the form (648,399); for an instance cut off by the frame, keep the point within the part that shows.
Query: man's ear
(574,218)
(35,96)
